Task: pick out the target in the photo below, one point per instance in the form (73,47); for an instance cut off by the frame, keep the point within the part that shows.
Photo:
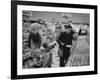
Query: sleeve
(59,39)
(72,37)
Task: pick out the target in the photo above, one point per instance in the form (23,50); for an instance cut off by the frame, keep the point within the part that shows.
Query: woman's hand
(69,46)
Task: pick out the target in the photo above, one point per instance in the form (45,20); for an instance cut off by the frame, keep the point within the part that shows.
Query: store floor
(80,56)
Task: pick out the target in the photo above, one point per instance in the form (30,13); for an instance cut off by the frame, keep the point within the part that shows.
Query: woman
(34,39)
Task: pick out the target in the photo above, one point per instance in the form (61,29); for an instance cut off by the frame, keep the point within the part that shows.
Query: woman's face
(68,30)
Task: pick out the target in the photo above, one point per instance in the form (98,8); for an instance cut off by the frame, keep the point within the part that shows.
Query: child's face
(68,30)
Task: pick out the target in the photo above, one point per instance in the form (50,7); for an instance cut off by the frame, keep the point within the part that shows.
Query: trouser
(64,58)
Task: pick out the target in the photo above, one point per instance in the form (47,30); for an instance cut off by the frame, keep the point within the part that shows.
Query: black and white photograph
(53,39)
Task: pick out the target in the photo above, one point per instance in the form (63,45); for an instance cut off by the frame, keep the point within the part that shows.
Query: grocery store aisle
(80,57)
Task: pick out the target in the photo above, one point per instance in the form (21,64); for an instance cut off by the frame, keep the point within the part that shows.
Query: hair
(34,26)
(67,26)
(36,38)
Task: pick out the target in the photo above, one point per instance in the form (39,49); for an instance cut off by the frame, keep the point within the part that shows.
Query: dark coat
(65,38)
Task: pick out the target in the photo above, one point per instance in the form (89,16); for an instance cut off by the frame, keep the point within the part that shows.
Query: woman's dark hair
(67,26)
(36,38)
